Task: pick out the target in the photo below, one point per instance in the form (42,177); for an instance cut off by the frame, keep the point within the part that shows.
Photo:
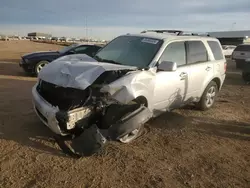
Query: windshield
(67,48)
(130,50)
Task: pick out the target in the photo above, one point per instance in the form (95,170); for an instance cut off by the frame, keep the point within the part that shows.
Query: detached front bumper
(46,112)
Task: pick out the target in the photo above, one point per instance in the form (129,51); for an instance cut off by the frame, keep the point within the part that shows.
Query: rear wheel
(40,65)
(208,97)
(239,64)
(246,76)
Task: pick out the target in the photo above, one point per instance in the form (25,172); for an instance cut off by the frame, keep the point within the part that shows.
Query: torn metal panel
(91,141)
(75,72)
(46,112)
(131,86)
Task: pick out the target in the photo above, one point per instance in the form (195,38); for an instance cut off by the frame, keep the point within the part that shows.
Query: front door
(171,87)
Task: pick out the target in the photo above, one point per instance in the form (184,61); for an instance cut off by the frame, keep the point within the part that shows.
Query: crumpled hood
(77,71)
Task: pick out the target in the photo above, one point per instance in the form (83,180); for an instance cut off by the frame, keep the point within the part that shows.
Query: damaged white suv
(131,79)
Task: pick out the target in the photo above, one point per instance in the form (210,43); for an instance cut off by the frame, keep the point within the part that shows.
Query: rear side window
(215,47)
(196,52)
(243,48)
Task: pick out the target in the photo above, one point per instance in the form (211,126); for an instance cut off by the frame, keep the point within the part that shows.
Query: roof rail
(177,32)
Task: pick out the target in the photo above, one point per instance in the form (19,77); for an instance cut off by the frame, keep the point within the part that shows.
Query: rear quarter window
(196,52)
(243,48)
(215,47)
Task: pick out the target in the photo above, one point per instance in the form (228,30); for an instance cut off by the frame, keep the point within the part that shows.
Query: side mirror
(167,66)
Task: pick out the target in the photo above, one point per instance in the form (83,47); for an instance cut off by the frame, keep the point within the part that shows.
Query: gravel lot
(184,148)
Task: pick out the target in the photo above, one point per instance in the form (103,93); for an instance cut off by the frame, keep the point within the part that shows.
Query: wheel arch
(141,100)
(217,81)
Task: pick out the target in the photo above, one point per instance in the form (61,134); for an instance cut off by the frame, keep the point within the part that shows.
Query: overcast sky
(109,18)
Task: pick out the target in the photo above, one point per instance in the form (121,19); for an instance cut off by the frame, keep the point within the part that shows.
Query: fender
(207,81)
(131,86)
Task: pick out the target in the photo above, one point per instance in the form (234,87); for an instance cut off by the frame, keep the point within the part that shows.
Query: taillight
(225,66)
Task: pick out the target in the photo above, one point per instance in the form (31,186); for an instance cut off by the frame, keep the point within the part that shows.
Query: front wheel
(208,97)
(132,135)
(39,66)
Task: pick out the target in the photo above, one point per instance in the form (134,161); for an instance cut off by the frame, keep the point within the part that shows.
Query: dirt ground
(184,148)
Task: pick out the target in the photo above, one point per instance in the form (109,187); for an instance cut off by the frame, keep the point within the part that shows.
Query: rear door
(218,59)
(241,52)
(200,69)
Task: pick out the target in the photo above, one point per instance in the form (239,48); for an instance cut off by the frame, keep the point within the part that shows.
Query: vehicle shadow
(18,121)
(34,135)
(202,125)
(222,128)
(234,79)
(12,69)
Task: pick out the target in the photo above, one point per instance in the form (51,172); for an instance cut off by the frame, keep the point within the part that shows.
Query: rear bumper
(239,60)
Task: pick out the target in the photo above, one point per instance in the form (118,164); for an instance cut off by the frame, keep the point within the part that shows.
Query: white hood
(77,71)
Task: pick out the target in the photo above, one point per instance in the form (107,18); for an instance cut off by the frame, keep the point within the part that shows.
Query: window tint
(215,47)
(243,48)
(81,49)
(196,52)
(92,50)
(175,52)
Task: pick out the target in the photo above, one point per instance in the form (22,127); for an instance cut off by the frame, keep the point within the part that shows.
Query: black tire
(246,76)
(203,103)
(237,64)
(40,65)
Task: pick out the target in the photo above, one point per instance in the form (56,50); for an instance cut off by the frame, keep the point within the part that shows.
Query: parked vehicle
(228,50)
(131,79)
(240,54)
(246,72)
(34,62)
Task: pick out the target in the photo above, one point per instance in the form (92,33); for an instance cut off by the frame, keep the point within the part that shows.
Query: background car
(34,62)
(241,54)
(246,71)
(228,50)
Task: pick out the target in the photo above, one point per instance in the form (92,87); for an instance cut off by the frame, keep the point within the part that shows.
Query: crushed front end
(75,104)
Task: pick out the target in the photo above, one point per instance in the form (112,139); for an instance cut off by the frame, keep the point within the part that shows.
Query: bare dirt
(184,148)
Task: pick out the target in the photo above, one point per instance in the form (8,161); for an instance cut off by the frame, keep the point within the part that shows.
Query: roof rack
(177,32)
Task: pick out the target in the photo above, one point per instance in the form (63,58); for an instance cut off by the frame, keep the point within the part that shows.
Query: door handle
(208,68)
(183,75)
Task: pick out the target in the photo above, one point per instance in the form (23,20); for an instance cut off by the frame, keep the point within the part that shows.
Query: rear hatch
(241,52)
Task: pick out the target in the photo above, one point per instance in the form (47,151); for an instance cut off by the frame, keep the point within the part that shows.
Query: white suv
(130,80)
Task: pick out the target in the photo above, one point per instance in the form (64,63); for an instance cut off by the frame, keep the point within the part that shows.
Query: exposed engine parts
(91,117)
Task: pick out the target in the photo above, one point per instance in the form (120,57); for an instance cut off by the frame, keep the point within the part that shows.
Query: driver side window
(175,52)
